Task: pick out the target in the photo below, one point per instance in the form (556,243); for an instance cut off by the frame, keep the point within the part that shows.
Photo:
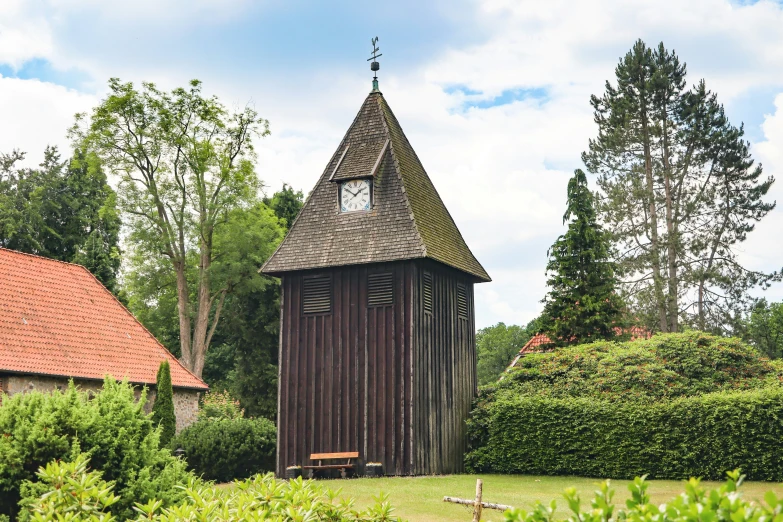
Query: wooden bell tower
(377,337)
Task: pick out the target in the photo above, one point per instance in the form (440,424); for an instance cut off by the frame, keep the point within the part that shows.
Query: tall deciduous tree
(184,164)
(582,305)
(678,190)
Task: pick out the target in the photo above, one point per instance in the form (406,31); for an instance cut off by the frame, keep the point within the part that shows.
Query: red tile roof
(538,340)
(57,319)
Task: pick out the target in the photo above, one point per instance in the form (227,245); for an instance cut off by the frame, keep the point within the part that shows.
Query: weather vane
(374,66)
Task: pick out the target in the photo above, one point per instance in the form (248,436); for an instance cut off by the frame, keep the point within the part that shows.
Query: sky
(493,95)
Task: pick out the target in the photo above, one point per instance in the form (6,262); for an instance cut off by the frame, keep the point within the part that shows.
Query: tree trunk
(671,243)
(204,304)
(654,243)
(183,299)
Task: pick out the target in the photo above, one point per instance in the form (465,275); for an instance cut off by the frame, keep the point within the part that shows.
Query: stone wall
(185,401)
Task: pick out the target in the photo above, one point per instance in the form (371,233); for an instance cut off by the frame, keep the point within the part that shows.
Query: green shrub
(163,408)
(219,405)
(229,449)
(69,488)
(37,428)
(664,367)
(701,436)
(75,494)
(696,503)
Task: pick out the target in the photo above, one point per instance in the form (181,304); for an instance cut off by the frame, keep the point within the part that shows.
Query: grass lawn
(421,498)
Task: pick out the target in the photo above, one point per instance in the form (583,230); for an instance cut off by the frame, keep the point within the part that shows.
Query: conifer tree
(163,409)
(581,305)
(679,192)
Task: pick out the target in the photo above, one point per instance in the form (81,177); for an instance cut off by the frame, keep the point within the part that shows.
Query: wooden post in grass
(477,504)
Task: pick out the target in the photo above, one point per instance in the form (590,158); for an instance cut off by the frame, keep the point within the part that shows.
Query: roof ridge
(142,325)
(434,189)
(36,256)
(399,174)
(125,308)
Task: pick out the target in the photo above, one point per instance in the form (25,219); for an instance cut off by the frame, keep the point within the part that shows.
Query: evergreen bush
(229,449)
(37,428)
(163,408)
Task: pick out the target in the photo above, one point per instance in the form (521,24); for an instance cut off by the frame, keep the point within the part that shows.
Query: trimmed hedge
(664,367)
(701,436)
(229,449)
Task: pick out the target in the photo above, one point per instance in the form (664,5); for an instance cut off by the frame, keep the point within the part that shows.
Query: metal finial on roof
(374,66)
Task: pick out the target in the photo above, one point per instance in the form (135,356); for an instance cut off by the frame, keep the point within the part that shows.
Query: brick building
(58,322)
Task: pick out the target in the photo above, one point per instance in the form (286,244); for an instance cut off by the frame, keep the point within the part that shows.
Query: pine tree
(582,305)
(679,192)
(163,409)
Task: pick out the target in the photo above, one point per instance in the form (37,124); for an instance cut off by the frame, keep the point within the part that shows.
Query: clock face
(355,195)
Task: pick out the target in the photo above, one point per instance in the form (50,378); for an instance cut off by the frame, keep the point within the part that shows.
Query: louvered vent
(427,290)
(317,295)
(462,301)
(380,289)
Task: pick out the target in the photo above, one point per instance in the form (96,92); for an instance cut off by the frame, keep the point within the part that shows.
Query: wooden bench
(343,467)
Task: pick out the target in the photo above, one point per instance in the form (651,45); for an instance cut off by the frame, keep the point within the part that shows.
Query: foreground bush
(664,367)
(724,504)
(37,428)
(701,436)
(77,495)
(227,449)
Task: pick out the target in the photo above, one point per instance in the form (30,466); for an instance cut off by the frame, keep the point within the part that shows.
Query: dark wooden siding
(344,379)
(444,368)
(393,382)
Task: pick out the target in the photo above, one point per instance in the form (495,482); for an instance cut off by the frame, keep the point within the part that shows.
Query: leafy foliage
(673,406)
(228,449)
(663,367)
(243,356)
(582,305)
(219,405)
(75,494)
(701,435)
(764,328)
(724,504)
(185,166)
(163,409)
(63,210)
(111,427)
(496,347)
(72,493)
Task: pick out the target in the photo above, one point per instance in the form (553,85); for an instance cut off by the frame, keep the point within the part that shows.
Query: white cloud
(37,114)
(23,34)
(764,248)
(502,171)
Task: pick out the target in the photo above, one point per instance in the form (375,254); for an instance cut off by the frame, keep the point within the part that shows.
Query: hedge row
(702,436)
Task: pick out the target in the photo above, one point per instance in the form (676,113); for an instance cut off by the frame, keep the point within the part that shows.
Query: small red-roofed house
(538,343)
(58,322)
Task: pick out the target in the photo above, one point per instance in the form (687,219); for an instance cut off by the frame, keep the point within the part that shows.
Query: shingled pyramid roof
(408,219)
